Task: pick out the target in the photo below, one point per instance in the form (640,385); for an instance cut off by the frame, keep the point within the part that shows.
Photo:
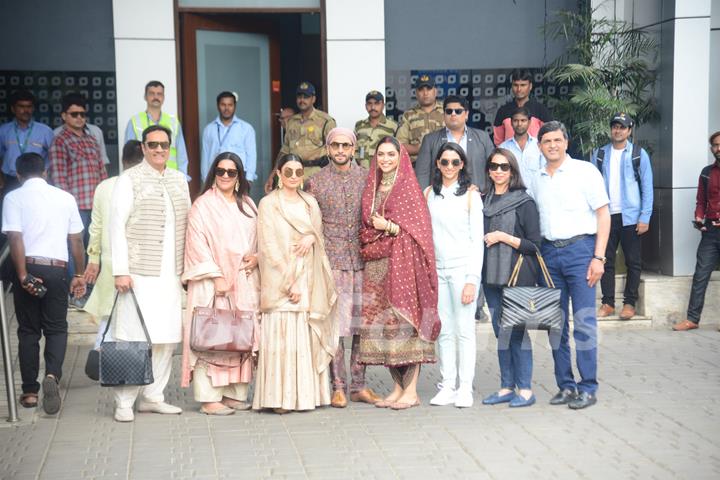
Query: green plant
(607,65)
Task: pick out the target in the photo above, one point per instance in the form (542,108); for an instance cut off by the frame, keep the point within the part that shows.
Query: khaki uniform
(306,138)
(369,136)
(415,124)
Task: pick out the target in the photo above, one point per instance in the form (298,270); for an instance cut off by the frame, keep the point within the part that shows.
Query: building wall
(683,31)
(56,36)
(144,50)
(355,34)
(460,34)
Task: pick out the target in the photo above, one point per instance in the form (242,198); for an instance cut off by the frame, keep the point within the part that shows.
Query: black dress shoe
(563,397)
(583,400)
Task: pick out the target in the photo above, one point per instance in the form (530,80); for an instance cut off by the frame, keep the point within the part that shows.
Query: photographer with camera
(40,220)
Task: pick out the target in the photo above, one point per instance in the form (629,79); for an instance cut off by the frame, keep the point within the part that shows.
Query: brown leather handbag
(222,330)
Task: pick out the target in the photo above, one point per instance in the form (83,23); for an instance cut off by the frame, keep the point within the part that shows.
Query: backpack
(635,163)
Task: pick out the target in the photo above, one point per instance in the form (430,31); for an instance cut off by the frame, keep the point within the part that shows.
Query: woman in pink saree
(221,261)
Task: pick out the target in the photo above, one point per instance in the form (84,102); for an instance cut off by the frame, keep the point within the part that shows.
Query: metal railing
(6,352)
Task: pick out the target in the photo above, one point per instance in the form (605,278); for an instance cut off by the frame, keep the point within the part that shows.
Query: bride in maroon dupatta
(400,321)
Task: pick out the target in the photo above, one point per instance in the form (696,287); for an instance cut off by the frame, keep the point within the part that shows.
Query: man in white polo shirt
(40,221)
(575,223)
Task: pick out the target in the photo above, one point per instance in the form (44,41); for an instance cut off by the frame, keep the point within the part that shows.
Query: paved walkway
(658,416)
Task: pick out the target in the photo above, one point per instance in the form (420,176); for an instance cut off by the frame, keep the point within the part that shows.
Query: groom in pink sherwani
(338,190)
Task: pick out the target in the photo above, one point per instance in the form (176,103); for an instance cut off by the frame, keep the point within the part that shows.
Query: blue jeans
(568,269)
(514,346)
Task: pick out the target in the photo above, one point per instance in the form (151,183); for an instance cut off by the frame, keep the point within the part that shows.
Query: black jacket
(479,147)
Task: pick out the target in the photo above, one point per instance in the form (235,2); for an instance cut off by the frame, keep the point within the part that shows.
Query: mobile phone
(40,289)
(697,224)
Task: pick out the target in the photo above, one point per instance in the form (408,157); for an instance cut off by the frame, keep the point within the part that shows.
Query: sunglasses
(288,172)
(156,145)
(456,111)
(231,172)
(492,166)
(338,146)
(455,162)
(77,114)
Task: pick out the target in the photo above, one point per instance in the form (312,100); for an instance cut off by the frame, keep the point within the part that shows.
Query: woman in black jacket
(513,226)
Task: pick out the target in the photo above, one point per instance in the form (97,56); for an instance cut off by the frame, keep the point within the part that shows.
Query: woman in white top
(457,224)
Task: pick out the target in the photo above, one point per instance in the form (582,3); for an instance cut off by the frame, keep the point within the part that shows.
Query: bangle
(77,275)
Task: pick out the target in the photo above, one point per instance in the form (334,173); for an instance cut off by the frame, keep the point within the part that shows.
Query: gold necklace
(388,179)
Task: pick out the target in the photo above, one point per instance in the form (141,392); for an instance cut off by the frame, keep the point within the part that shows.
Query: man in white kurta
(147,256)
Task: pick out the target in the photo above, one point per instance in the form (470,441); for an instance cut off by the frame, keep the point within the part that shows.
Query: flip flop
(404,406)
(29,400)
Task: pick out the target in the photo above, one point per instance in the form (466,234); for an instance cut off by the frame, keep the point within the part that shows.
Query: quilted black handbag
(126,363)
(534,308)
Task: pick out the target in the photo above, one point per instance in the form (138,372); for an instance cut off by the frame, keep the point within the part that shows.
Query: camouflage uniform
(306,138)
(415,124)
(369,136)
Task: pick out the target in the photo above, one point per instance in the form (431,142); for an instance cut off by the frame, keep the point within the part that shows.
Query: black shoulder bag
(126,363)
(533,308)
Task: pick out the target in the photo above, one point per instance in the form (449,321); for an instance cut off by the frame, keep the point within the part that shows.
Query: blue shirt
(463,139)
(634,208)
(14,141)
(530,159)
(238,137)
(567,200)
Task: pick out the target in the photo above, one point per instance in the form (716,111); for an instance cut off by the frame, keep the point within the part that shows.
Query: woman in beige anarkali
(297,294)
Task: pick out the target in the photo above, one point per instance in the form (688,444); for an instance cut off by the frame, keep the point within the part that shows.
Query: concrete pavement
(658,416)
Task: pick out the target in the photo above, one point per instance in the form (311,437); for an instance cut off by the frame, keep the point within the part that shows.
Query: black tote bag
(126,363)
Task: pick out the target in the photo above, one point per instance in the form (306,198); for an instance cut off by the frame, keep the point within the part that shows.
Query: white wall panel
(691,93)
(347,83)
(355,20)
(691,8)
(355,56)
(144,19)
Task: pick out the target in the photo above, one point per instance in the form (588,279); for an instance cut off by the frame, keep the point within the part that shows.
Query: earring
(237,186)
(302,183)
(279,182)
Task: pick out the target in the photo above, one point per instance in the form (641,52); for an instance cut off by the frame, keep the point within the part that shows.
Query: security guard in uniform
(305,134)
(422,119)
(373,129)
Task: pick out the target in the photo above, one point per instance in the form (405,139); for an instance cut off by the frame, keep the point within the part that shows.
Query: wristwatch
(602,259)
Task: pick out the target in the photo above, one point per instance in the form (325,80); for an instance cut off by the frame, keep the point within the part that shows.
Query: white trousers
(162,354)
(456,343)
(204,391)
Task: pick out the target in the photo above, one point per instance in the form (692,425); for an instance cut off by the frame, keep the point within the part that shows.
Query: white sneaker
(446,396)
(124,414)
(464,398)
(158,407)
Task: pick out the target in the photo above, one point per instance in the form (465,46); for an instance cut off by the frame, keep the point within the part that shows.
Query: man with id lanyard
(227,133)
(21,135)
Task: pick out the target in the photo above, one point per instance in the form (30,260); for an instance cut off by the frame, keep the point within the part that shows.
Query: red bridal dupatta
(412,284)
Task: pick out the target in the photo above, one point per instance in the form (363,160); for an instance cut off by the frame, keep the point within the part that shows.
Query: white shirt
(614,179)
(457,233)
(45,215)
(567,200)
(530,159)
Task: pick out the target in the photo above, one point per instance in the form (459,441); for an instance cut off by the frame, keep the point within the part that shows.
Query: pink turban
(337,131)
